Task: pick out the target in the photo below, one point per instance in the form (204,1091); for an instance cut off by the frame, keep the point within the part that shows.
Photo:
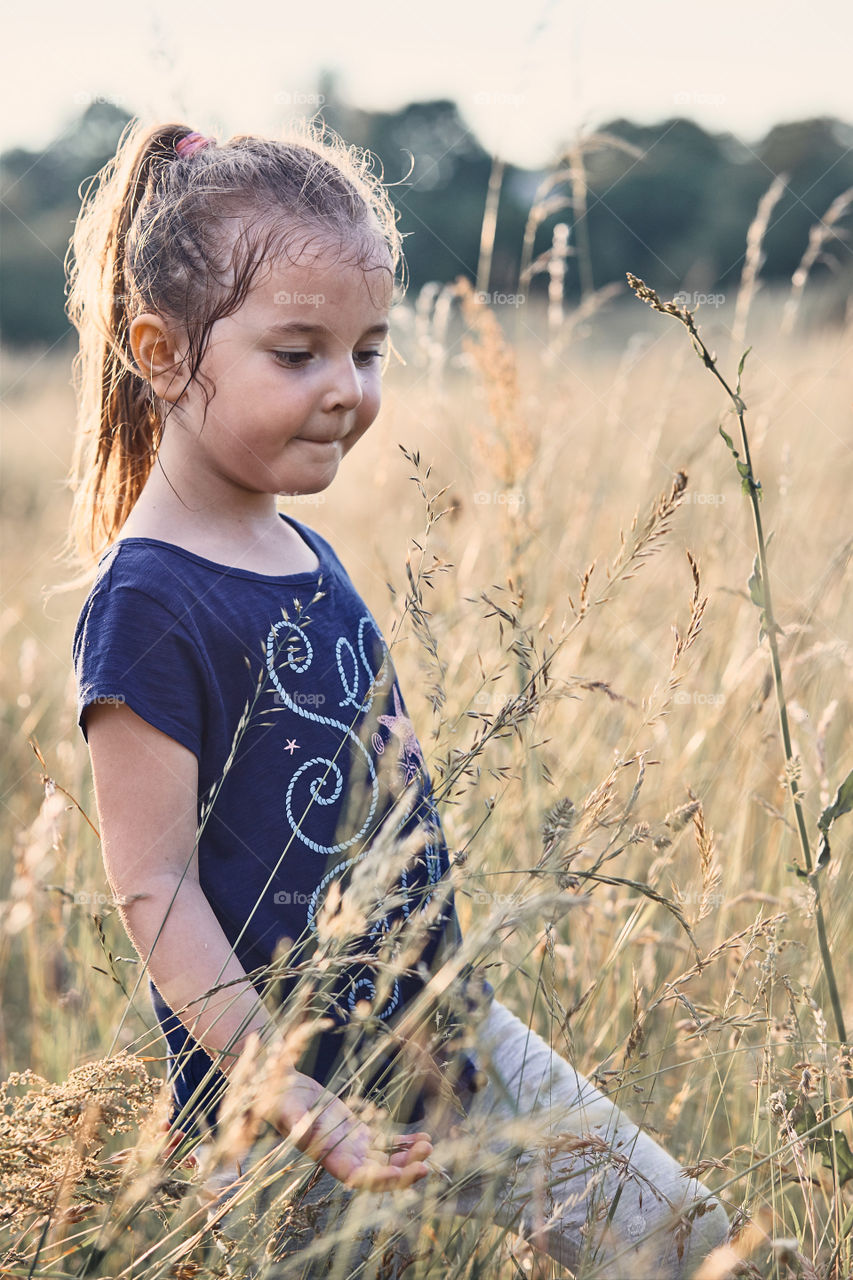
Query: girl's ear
(157,350)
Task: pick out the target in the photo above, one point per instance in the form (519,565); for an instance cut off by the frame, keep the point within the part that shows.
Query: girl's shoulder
(133,592)
(145,560)
(139,570)
(147,585)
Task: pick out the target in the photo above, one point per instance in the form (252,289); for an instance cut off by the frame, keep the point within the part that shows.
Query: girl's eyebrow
(299,326)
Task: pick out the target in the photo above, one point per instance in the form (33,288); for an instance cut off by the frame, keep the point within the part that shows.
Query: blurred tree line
(669,201)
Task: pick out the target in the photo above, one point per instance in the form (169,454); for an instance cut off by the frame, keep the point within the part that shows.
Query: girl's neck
(253,537)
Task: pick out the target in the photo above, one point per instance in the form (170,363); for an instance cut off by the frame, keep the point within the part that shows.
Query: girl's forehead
(284,254)
(332,270)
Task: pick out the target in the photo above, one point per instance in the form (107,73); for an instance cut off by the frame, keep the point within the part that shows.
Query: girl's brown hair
(153,236)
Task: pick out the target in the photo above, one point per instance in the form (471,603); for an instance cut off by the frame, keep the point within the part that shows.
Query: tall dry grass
(568,554)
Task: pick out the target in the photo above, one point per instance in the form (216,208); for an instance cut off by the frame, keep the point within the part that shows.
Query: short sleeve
(129,648)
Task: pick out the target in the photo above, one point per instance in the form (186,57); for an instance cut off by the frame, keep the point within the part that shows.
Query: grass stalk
(759,585)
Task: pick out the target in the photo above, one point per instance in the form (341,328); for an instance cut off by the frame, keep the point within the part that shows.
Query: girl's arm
(146,788)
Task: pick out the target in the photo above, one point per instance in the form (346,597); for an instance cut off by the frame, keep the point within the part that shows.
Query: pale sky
(525,77)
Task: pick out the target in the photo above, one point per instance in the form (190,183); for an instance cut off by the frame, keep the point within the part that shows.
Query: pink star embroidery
(291,745)
(401,726)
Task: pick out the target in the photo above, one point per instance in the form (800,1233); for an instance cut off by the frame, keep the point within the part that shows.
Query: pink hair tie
(191,143)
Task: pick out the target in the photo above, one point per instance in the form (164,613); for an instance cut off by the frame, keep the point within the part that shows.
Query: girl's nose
(345,390)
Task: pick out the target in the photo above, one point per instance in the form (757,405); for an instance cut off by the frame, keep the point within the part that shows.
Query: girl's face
(294,376)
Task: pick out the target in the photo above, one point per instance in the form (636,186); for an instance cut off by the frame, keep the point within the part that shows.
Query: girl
(250,746)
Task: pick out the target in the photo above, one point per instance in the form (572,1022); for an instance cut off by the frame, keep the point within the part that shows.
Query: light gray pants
(538,1150)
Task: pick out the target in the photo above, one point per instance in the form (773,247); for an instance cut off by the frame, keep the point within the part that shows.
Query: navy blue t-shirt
(285,691)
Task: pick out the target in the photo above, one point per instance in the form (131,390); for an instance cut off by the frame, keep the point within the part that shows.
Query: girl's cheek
(373,394)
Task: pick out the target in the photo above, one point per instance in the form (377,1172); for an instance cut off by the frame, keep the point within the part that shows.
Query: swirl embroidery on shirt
(320,781)
(410,765)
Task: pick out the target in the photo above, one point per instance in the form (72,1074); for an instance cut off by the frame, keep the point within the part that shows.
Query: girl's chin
(319,451)
(308,487)
(314,471)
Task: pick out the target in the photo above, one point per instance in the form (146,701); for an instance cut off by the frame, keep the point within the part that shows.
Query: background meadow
(579,653)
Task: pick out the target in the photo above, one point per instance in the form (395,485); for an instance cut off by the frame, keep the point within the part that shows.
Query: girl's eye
(291,359)
(297,359)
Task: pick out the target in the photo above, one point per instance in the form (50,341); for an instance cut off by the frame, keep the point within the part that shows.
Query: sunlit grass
(562,626)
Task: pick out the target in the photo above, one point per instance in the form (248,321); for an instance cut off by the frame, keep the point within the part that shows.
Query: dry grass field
(555,647)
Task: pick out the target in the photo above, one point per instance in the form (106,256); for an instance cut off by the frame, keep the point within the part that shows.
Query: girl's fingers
(417,1151)
(401,1146)
(380,1162)
(405,1141)
(176,1136)
(362,1157)
(376,1177)
(409,1138)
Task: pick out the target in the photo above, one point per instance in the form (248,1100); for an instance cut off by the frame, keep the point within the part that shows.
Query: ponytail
(118,424)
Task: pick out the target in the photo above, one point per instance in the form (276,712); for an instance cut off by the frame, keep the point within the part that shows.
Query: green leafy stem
(759,591)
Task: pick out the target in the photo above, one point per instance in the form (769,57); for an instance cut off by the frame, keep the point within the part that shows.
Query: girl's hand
(349,1149)
(176,1136)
